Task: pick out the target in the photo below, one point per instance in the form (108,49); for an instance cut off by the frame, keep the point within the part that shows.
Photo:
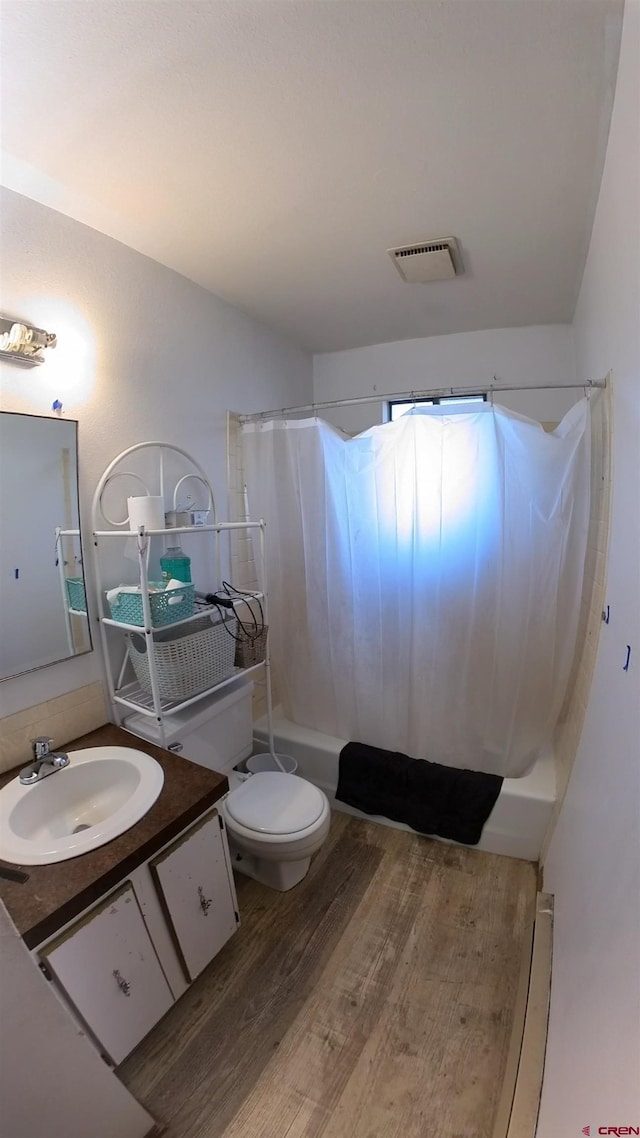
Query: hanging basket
(250,650)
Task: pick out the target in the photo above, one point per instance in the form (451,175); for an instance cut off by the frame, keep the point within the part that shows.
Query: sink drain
(82,826)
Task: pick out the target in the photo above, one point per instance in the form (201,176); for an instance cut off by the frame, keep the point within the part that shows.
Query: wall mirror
(43,610)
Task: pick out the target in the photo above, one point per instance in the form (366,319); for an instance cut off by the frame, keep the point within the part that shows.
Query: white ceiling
(272,150)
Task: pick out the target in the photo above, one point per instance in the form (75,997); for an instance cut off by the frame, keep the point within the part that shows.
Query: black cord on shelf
(226,599)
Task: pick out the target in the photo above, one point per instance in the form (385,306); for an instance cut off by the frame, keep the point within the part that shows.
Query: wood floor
(374,1000)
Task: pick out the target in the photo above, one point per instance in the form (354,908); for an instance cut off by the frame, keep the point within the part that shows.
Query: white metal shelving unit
(128,696)
(68,609)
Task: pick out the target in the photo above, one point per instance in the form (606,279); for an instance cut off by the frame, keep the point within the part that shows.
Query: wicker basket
(186,663)
(167,605)
(250,650)
(76,596)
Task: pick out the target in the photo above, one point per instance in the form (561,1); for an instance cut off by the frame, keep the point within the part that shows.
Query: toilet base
(280,875)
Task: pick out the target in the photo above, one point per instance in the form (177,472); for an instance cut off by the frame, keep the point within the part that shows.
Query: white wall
(592,1073)
(516,356)
(52,1080)
(142,353)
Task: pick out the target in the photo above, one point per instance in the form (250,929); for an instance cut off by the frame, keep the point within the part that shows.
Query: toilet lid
(275,803)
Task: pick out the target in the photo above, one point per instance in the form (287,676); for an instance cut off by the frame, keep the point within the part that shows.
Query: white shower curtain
(425,577)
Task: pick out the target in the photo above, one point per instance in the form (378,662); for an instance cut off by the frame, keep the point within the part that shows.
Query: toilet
(275,823)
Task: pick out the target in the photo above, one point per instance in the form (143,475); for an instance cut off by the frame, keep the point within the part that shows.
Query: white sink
(102,792)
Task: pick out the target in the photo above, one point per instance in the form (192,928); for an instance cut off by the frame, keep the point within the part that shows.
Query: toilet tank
(215,732)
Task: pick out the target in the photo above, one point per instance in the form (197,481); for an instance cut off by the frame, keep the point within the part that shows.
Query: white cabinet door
(196,891)
(108,968)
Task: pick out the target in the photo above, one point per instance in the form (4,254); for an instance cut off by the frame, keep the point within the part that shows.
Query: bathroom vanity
(123,930)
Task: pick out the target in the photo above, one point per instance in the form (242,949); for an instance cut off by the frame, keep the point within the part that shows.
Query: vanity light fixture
(22,343)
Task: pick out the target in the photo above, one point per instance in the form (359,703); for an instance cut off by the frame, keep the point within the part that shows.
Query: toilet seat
(276,822)
(274,803)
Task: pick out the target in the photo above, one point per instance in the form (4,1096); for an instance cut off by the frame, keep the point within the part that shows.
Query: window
(399,407)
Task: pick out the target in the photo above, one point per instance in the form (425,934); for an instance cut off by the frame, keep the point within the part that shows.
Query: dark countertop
(54,894)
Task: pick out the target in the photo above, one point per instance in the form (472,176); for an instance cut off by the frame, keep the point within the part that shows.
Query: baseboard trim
(517,1113)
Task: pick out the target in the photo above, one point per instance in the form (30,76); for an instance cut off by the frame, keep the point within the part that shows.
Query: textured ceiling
(272,151)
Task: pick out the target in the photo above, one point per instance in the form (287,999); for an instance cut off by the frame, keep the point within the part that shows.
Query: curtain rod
(435,392)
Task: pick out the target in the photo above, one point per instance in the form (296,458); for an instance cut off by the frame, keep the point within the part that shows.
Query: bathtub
(515,828)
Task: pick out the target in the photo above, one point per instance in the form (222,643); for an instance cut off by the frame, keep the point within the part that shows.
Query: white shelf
(130,695)
(140,628)
(135,698)
(216,527)
(198,614)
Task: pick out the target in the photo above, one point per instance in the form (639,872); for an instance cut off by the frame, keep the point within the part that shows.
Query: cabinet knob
(205,902)
(123,984)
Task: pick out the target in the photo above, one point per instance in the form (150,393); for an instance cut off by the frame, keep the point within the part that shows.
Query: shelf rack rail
(61,562)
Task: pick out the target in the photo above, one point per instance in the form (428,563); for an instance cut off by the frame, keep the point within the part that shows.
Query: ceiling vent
(429,261)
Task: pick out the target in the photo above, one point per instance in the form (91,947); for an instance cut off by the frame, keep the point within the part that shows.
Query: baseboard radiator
(517,1112)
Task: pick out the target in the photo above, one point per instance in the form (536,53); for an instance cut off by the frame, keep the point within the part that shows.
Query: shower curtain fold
(425,577)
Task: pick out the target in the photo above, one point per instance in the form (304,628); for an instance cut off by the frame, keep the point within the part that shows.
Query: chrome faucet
(45,762)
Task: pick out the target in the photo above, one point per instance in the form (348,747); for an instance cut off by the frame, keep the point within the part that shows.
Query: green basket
(166,607)
(76,596)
